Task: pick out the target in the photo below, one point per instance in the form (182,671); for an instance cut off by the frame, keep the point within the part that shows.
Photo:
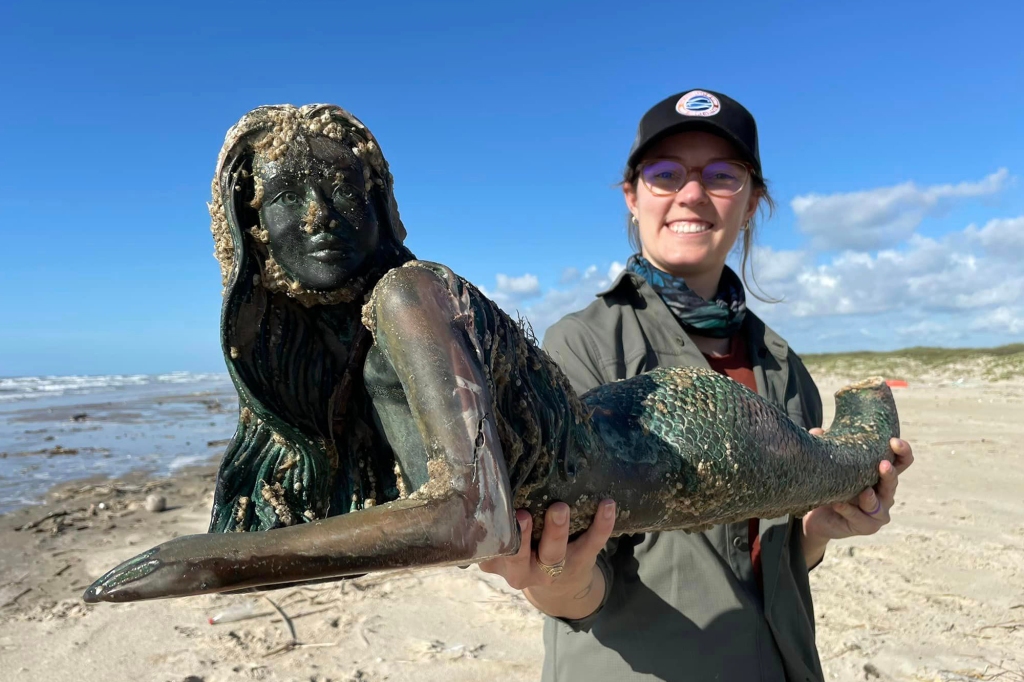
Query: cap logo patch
(698,103)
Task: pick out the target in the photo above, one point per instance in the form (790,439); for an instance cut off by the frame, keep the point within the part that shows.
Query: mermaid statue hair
(292,352)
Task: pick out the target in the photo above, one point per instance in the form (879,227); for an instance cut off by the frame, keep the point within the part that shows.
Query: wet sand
(937,595)
(152,426)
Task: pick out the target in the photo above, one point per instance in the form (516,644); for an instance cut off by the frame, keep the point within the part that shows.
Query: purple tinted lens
(724,176)
(664,177)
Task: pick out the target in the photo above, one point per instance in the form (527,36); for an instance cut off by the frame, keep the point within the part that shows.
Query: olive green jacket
(682,606)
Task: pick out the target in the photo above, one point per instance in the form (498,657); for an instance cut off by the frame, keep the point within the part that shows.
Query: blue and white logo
(698,103)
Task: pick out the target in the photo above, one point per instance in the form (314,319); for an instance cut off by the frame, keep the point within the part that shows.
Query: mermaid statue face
(316,212)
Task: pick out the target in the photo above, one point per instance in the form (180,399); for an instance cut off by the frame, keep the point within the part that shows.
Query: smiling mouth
(689,226)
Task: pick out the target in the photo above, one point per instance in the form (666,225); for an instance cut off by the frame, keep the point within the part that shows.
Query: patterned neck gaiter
(718,318)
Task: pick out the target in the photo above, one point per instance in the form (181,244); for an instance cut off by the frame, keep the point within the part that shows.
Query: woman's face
(690,233)
(320,221)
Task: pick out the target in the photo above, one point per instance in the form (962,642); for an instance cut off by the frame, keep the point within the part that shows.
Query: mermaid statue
(391,416)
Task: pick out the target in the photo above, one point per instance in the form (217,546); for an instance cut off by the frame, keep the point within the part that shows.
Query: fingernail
(609,510)
(560,516)
(886,467)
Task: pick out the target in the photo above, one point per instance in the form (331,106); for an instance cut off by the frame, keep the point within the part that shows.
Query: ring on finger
(876,509)
(553,570)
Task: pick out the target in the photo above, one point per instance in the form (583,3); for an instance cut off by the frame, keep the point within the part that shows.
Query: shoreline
(155,428)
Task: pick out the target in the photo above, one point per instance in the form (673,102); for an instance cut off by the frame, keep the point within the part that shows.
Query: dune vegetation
(923,363)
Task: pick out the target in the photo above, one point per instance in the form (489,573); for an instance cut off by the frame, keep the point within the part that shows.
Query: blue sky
(891,134)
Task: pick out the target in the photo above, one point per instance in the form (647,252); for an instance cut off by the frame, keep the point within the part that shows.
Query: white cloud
(575,291)
(1003,237)
(569,275)
(772,266)
(929,291)
(527,285)
(1002,319)
(881,217)
(931,274)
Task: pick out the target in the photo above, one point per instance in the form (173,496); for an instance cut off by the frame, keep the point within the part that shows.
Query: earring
(745,226)
(632,219)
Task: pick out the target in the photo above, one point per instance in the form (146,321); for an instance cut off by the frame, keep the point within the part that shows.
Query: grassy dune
(924,364)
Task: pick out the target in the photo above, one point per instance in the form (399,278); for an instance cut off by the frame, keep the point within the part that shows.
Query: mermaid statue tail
(685,448)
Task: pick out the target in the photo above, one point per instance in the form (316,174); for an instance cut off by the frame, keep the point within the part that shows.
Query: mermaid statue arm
(462,514)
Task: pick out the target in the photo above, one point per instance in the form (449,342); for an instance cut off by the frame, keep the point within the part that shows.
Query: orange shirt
(737,366)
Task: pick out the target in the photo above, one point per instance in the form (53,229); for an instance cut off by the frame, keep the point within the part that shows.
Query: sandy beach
(937,595)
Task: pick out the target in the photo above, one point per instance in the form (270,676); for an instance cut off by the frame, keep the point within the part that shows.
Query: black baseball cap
(704,110)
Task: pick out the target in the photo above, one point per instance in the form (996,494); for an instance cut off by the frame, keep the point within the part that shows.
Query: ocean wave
(22,388)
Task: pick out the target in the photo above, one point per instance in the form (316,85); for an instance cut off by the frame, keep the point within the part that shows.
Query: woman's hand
(577,590)
(864,514)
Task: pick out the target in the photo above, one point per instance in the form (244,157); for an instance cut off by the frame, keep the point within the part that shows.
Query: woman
(732,602)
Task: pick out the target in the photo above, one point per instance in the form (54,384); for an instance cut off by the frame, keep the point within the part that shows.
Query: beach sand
(937,595)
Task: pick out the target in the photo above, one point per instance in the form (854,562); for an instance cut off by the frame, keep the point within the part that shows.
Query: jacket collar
(631,278)
(761,335)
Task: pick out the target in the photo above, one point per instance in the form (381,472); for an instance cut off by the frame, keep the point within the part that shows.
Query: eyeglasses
(718,178)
